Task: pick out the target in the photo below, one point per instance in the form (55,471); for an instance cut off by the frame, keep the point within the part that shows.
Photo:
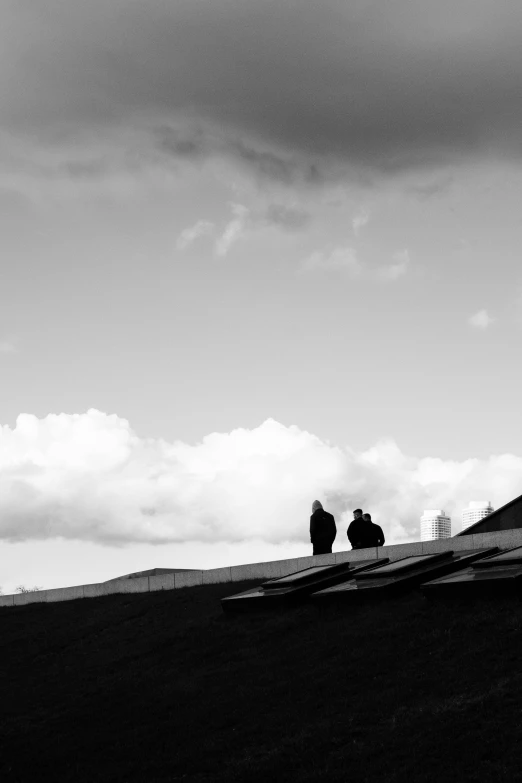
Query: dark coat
(363,534)
(378,535)
(322,527)
(359,534)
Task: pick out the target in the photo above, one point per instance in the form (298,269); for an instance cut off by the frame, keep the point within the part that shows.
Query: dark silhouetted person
(358,530)
(322,529)
(375,533)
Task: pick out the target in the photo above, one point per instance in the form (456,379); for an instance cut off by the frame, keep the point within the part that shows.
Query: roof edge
(469,530)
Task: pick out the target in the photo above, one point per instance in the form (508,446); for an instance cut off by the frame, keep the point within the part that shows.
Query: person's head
(316,505)
(357,513)
(367,517)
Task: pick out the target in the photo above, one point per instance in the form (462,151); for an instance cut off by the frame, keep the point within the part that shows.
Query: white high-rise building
(435,524)
(476,510)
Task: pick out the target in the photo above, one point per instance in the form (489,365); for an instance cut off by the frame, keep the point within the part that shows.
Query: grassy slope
(165,687)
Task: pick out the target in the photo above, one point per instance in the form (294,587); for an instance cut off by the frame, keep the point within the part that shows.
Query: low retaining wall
(271,570)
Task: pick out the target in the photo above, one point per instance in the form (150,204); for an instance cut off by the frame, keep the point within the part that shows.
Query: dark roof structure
(498,574)
(401,575)
(506,517)
(286,590)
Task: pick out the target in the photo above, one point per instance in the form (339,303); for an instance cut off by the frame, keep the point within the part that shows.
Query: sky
(252,254)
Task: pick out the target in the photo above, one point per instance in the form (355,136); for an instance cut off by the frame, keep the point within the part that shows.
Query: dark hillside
(165,687)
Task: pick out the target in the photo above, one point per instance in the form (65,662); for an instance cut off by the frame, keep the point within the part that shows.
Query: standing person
(358,531)
(375,531)
(322,529)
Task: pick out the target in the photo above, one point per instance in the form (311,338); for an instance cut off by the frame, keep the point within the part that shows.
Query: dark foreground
(165,687)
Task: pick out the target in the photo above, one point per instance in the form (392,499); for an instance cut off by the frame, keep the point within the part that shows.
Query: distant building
(435,524)
(476,510)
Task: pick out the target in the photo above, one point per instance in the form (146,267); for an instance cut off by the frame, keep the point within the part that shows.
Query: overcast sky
(252,253)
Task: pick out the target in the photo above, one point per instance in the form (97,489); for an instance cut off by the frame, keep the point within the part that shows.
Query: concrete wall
(150,572)
(270,570)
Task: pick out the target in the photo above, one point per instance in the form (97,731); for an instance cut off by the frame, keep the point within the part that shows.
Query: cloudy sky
(252,253)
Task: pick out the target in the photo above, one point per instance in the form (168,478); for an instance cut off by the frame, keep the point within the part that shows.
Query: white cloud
(6,346)
(288,217)
(190,234)
(481,320)
(359,221)
(89,477)
(233,230)
(346,259)
(395,270)
(339,259)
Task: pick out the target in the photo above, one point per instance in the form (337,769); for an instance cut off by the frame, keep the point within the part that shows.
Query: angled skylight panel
(399,567)
(473,581)
(293,587)
(307,574)
(508,557)
(402,575)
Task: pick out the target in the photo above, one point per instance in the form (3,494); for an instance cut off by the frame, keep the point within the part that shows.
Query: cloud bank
(190,234)
(89,477)
(345,260)
(290,89)
(480,320)
(6,346)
